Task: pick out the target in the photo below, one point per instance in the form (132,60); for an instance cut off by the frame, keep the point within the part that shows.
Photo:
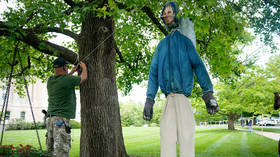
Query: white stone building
(19,107)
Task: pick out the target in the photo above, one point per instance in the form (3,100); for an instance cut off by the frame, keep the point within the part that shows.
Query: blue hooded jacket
(173,66)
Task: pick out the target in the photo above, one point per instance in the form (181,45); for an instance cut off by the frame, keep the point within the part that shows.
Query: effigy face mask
(168,15)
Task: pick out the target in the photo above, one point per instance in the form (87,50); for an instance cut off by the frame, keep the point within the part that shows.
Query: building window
(8,113)
(22,115)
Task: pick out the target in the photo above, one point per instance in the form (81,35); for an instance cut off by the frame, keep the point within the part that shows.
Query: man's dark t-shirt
(62,98)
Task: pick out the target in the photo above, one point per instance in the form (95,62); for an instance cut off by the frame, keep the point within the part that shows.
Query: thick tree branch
(38,29)
(150,14)
(65,32)
(41,45)
(50,48)
(57,30)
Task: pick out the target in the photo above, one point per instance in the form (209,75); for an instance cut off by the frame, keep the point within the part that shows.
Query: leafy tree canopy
(220,30)
(262,15)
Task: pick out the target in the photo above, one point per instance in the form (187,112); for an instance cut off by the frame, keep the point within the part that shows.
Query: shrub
(74,124)
(40,125)
(21,151)
(132,114)
(20,124)
(154,125)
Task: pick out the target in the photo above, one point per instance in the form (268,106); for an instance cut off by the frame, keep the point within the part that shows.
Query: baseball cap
(59,62)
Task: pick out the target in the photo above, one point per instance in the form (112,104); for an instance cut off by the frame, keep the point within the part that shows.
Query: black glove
(148,109)
(211,104)
(276,101)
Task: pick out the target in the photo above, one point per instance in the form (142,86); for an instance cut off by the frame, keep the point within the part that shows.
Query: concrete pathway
(271,135)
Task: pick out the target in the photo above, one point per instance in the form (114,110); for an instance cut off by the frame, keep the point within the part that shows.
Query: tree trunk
(101,133)
(231,120)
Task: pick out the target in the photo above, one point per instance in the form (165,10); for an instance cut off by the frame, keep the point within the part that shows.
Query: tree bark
(101,133)
(231,120)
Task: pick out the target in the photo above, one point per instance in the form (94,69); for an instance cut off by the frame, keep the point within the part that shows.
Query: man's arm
(84,72)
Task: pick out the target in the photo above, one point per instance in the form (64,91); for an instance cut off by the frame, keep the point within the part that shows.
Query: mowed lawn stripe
(139,139)
(200,135)
(262,146)
(142,141)
(147,146)
(226,144)
(245,149)
(146,142)
(131,131)
(212,148)
(202,143)
(234,146)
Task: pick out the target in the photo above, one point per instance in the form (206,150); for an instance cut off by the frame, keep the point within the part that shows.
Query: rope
(77,59)
(7,94)
(30,104)
(98,46)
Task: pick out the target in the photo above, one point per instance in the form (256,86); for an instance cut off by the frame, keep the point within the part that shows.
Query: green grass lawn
(209,142)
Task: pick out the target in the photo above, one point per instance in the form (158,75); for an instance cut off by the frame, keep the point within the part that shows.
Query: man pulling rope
(62,106)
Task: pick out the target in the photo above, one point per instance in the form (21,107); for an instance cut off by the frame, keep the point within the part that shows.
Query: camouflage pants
(58,142)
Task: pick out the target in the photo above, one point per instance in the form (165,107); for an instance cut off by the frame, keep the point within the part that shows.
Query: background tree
(252,93)
(101,30)
(132,114)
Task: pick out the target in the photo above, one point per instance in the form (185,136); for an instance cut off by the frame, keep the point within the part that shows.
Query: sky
(138,93)
(259,50)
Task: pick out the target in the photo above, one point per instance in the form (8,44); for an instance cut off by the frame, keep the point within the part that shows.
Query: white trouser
(177,125)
